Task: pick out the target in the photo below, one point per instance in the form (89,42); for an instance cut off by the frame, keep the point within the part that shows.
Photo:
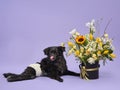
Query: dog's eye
(53,52)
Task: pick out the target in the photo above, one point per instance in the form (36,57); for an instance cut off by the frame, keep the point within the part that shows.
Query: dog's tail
(68,72)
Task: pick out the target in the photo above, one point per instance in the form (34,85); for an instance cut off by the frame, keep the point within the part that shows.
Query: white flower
(91,25)
(106,35)
(77,33)
(103,40)
(100,47)
(91,60)
(106,39)
(93,28)
(87,24)
(92,22)
(63,44)
(81,49)
(72,32)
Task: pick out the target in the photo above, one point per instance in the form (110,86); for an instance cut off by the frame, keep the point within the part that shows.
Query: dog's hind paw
(12,78)
(6,75)
(9,79)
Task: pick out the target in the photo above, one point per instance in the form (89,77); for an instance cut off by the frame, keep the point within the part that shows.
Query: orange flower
(80,39)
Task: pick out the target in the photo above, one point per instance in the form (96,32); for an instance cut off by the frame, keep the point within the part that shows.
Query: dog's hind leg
(29,73)
(14,78)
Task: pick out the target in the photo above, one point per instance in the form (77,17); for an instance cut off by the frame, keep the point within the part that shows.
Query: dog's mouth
(52,58)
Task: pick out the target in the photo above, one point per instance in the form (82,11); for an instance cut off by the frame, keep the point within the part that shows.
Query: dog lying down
(53,66)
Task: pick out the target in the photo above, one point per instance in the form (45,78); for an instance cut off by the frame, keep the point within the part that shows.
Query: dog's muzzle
(52,58)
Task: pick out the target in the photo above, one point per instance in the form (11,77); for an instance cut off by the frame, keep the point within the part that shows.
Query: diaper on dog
(37,68)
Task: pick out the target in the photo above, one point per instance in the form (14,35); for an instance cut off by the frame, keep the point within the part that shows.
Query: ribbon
(84,74)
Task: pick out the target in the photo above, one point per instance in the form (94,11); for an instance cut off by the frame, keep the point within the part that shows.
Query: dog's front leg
(59,78)
(56,76)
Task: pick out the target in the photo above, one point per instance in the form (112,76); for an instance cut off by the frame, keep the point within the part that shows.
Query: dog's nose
(52,57)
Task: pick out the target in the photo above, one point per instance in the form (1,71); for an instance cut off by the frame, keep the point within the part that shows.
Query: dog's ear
(46,51)
(62,49)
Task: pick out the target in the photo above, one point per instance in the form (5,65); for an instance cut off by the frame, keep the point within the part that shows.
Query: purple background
(29,26)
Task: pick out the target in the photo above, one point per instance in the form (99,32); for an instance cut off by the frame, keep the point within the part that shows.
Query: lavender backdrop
(29,26)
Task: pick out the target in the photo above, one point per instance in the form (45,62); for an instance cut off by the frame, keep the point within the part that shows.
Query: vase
(89,71)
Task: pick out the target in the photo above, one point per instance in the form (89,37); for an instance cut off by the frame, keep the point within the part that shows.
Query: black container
(91,71)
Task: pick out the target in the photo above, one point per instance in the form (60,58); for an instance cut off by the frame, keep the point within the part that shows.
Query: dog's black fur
(53,66)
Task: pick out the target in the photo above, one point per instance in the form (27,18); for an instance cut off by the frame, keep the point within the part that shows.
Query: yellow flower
(90,36)
(98,40)
(106,52)
(101,44)
(87,52)
(94,56)
(70,44)
(80,39)
(113,55)
(77,52)
(99,53)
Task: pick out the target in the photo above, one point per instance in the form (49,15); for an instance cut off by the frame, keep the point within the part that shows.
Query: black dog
(53,66)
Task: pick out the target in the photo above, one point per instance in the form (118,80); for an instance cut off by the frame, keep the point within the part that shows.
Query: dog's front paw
(60,79)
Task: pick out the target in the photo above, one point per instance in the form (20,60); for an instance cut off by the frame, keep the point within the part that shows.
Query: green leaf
(110,50)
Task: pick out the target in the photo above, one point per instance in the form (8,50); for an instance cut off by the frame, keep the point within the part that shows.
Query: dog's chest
(61,65)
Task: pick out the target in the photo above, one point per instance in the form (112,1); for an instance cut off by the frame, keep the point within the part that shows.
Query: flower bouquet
(89,50)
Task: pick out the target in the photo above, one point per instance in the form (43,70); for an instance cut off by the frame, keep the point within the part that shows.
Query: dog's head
(54,52)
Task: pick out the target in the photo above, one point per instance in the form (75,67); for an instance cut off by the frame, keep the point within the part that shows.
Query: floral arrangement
(88,48)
